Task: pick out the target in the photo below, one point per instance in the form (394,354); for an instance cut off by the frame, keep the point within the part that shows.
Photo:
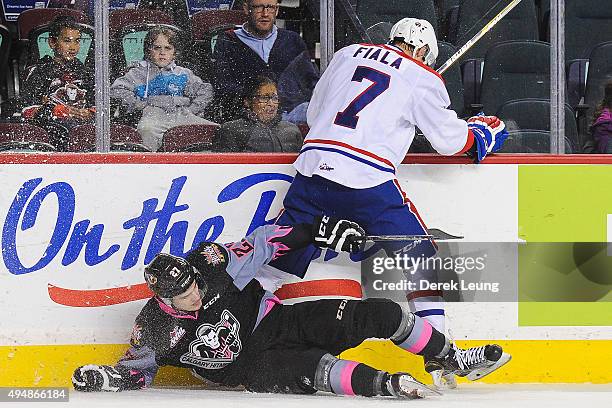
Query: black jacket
(289,64)
(250,135)
(51,80)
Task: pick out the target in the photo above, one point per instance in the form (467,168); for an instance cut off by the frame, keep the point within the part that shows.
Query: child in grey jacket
(167,94)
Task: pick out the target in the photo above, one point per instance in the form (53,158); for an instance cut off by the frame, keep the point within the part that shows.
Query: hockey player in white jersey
(362,119)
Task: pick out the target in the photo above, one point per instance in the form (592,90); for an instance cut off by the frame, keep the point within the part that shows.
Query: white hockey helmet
(417,33)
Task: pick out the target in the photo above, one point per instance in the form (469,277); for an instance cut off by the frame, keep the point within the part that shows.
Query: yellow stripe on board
(533,361)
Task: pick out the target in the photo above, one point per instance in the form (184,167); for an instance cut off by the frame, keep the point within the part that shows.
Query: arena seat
(189,138)
(24,137)
(530,141)
(520,24)
(81,5)
(205,28)
(177,9)
(206,22)
(534,114)
(515,70)
(117,19)
(452,77)
(123,138)
(36,17)
(448,11)
(587,23)
(371,12)
(5,49)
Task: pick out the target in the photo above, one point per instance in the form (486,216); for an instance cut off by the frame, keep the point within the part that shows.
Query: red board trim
(278,158)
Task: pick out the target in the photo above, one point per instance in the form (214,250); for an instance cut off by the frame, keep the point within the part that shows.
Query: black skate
(403,385)
(473,363)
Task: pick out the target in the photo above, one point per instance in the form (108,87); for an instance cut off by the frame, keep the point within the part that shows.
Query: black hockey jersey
(209,340)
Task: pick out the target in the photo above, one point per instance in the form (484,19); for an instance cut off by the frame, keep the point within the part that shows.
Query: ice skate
(442,379)
(403,385)
(473,363)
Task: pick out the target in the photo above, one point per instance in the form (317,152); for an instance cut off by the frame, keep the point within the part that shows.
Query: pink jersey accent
(270,303)
(423,339)
(347,375)
(280,248)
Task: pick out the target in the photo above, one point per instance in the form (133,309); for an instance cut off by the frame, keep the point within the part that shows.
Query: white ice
(466,396)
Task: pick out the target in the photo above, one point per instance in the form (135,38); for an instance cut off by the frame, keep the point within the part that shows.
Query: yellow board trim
(533,361)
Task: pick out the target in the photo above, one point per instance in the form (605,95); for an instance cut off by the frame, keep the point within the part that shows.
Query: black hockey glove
(336,234)
(106,378)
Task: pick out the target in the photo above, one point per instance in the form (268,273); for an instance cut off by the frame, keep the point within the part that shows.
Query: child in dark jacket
(260,129)
(602,122)
(58,92)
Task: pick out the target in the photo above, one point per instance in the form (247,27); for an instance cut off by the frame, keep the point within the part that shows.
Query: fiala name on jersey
(215,346)
(379,54)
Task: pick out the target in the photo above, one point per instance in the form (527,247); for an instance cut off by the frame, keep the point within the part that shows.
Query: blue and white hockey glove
(339,235)
(489,135)
(93,377)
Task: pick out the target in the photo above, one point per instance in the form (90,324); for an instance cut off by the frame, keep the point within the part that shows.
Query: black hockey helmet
(168,275)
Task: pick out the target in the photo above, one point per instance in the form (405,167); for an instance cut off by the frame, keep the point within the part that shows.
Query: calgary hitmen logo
(215,346)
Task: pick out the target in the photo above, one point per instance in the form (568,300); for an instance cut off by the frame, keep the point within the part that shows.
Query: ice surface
(466,396)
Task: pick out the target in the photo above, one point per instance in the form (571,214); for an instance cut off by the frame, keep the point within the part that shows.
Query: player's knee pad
(405,327)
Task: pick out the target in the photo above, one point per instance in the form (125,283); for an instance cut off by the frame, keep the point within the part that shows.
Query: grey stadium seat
(515,70)
(530,141)
(371,12)
(520,24)
(534,114)
(452,77)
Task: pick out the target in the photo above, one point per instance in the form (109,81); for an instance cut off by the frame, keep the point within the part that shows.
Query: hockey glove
(489,135)
(106,378)
(336,234)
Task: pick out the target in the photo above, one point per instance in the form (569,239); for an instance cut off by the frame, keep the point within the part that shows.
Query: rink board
(74,250)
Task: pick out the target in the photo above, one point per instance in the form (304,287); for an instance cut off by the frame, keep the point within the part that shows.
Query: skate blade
(480,373)
(416,389)
(443,381)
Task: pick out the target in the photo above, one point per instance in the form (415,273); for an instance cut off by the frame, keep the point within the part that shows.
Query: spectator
(167,94)
(261,128)
(257,48)
(58,92)
(602,122)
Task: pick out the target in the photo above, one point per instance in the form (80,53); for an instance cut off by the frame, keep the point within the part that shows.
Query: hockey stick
(477,37)
(434,233)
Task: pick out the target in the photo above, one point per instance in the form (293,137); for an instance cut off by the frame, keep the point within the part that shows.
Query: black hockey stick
(434,233)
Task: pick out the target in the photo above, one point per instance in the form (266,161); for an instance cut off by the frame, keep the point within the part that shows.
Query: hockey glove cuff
(339,235)
(489,135)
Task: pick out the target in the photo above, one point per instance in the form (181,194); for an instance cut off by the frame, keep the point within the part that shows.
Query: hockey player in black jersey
(210,315)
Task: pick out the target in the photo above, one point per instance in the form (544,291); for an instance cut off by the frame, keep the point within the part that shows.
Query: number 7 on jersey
(380,83)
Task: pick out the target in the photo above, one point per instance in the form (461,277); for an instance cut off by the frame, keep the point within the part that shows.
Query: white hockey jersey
(363,113)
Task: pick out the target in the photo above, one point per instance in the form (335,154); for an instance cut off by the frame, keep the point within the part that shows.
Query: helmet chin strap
(168,301)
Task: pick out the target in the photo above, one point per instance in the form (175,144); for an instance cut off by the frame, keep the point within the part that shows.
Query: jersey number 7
(380,83)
